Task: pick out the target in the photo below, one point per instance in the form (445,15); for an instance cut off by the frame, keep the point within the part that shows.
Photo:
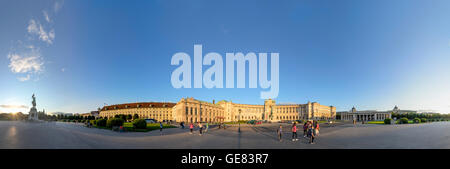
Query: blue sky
(372,54)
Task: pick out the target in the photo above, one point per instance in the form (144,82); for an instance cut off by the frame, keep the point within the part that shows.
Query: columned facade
(367,115)
(190,110)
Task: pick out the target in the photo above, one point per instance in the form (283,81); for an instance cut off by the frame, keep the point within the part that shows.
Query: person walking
(207,127)
(279,132)
(311,134)
(305,129)
(200,127)
(316,129)
(191,127)
(160,128)
(294,132)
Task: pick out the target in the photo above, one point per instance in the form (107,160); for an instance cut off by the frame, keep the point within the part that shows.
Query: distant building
(398,111)
(365,115)
(95,113)
(191,110)
(147,110)
(92,113)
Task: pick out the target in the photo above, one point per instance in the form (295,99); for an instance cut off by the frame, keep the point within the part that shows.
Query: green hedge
(416,120)
(114,122)
(101,122)
(423,120)
(387,121)
(140,124)
(92,122)
(403,120)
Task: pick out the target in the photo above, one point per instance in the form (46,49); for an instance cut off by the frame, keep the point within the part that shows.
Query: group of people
(199,125)
(310,130)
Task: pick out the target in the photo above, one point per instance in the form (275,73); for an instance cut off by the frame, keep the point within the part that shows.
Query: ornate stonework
(192,110)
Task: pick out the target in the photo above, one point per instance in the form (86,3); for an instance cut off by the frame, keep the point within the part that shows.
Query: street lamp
(239,123)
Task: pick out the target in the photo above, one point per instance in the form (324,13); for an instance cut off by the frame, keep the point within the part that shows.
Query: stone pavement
(58,135)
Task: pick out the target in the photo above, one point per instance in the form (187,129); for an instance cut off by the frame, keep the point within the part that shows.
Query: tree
(129,117)
(403,120)
(139,124)
(101,122)
(114,122)
(136,116)
(387,121)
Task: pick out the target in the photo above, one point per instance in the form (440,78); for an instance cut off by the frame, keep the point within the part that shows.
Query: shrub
(387,121)
(416,120)
(423,120)
(403,120)
(101,122)
(92,122)
(114,122)
(140,124)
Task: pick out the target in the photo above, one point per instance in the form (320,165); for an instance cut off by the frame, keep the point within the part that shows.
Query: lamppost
(239,123)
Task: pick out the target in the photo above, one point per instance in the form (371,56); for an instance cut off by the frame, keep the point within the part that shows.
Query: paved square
(56,135)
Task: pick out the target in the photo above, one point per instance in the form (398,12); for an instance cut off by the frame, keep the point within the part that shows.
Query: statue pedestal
(33,114)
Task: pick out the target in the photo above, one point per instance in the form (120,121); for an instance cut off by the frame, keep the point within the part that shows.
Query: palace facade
(192,110)
(149,110)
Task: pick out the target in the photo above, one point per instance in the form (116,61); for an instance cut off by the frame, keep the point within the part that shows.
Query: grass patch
(375,122)
(128,126)
(235,122)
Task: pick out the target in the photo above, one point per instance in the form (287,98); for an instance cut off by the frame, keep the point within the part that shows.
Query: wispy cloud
(22,79)
(26,59)
(46,16)
(58,5)
(13,106)
(35,28)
